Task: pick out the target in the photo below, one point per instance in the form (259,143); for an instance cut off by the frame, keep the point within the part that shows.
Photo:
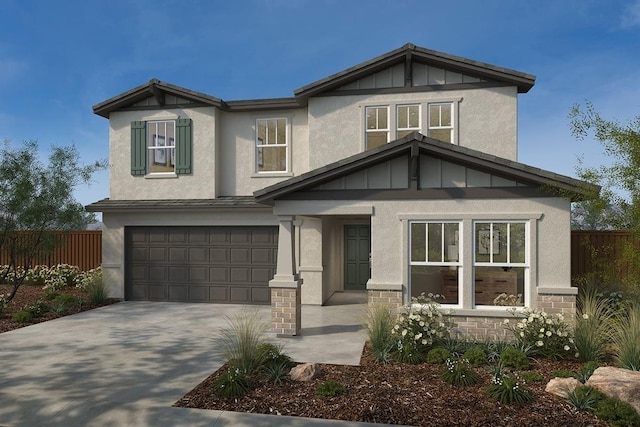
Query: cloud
(631,17)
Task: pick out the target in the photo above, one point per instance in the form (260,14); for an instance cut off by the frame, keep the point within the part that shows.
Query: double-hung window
(377,126)
(441,121)
(500,262)
(272,147)
(161,147)
(435,259)
(407,119)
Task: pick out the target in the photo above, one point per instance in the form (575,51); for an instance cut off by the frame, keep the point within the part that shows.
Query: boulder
(562,386)
(305,372)
(619,383)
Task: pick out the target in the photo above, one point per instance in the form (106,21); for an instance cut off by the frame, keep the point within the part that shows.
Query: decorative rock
(305,372)
(562,386)
(618,383)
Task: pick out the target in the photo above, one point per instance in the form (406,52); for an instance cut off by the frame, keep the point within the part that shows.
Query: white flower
(424,342)
(585,316)
(541,329)
(522,334)
(404,332)
(548,333)
(396,327)
(539,343)
(505,321)
(567,348)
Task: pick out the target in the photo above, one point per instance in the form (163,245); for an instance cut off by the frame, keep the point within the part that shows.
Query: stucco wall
(198,185)
(549,218)
(487,121)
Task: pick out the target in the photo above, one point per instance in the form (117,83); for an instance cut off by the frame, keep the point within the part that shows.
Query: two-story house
(397,176)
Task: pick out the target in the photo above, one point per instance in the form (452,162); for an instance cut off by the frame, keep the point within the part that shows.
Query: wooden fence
(80,248)
(591,250)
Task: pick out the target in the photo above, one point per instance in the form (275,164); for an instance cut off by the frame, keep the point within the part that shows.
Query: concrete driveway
(127,363)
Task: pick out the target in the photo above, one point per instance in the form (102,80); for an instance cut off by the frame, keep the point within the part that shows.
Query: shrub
(583,398)
(86,278)
(562,373)
(417,329)
(626,337)
(594,322)
(459,372)
(276,371)
(531,377)
(438,355)
(508,391)
(494,349)
(476,356)
(59,277)
(22,316)
(616,412)
(3,305)
(330,388)
(514,358)
(586,370)
(240,340)
(379,323)
(274,363)
(96,293)
(233,383)
(58,307)
(37,309)
(547,335)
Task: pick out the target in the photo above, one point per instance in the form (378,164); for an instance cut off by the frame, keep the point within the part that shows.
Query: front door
(357,250)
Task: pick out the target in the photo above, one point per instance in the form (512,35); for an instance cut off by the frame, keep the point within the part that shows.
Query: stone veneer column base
(286,311)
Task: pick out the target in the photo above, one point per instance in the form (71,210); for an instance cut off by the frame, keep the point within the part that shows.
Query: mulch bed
(399,394)
(29,294)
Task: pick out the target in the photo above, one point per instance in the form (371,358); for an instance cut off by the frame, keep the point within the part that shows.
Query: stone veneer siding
(489,327)
(286,311)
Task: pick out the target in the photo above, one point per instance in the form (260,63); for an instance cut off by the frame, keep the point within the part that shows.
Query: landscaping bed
(29,295)
(399,393)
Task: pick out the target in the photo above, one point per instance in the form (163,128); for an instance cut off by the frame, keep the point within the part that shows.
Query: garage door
(200,264)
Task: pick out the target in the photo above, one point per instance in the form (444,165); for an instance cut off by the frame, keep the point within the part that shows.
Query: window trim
(454,119)
(387,130)
(286,145)
(410,129)
(149,149)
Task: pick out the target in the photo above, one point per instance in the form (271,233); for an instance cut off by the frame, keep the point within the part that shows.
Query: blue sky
(58,59)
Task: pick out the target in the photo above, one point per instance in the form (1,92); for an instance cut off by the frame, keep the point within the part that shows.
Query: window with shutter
(161,147)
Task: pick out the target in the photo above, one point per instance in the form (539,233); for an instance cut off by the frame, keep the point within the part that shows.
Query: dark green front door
(357,247)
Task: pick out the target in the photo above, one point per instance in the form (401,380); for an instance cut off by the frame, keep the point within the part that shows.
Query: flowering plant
(418,328)
(87,278)
(508,391)
(547,335)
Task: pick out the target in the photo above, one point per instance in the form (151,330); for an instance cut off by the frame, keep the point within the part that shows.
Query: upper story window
(272,145)
(377,126)
(441,121)
(161,147)
(407,119)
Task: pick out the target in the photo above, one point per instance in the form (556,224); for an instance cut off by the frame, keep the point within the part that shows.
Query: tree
(37,199)
(618,204)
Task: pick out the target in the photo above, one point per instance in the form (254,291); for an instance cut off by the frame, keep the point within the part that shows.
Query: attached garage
(200,264)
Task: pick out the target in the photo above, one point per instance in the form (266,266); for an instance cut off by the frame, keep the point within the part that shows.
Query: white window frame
(266,145)
(443,262)
(151,155)
(454,119)
(377,128)
(409,128)
(526,265)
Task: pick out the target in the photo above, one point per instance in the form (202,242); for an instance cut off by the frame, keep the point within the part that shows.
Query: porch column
(286,300)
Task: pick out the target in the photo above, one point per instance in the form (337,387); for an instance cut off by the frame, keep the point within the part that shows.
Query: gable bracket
(408,70)
(414,165)
(157,94)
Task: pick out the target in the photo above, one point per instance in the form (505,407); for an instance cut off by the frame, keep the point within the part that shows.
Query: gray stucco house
(394,177)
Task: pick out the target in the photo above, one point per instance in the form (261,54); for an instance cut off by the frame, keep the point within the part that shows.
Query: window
(408,119)
(271,145)
(435,259)
(500,263)
(161,147)
(377,126)
(161,143)
(441,121)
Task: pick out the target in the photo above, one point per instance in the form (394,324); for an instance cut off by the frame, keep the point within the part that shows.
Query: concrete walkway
(126,364)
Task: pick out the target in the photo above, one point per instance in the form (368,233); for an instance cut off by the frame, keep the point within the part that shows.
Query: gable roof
(407,54)
(415,144)
(410,52)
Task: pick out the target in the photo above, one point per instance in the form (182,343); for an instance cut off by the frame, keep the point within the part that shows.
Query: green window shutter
(184,146)
(138,148)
